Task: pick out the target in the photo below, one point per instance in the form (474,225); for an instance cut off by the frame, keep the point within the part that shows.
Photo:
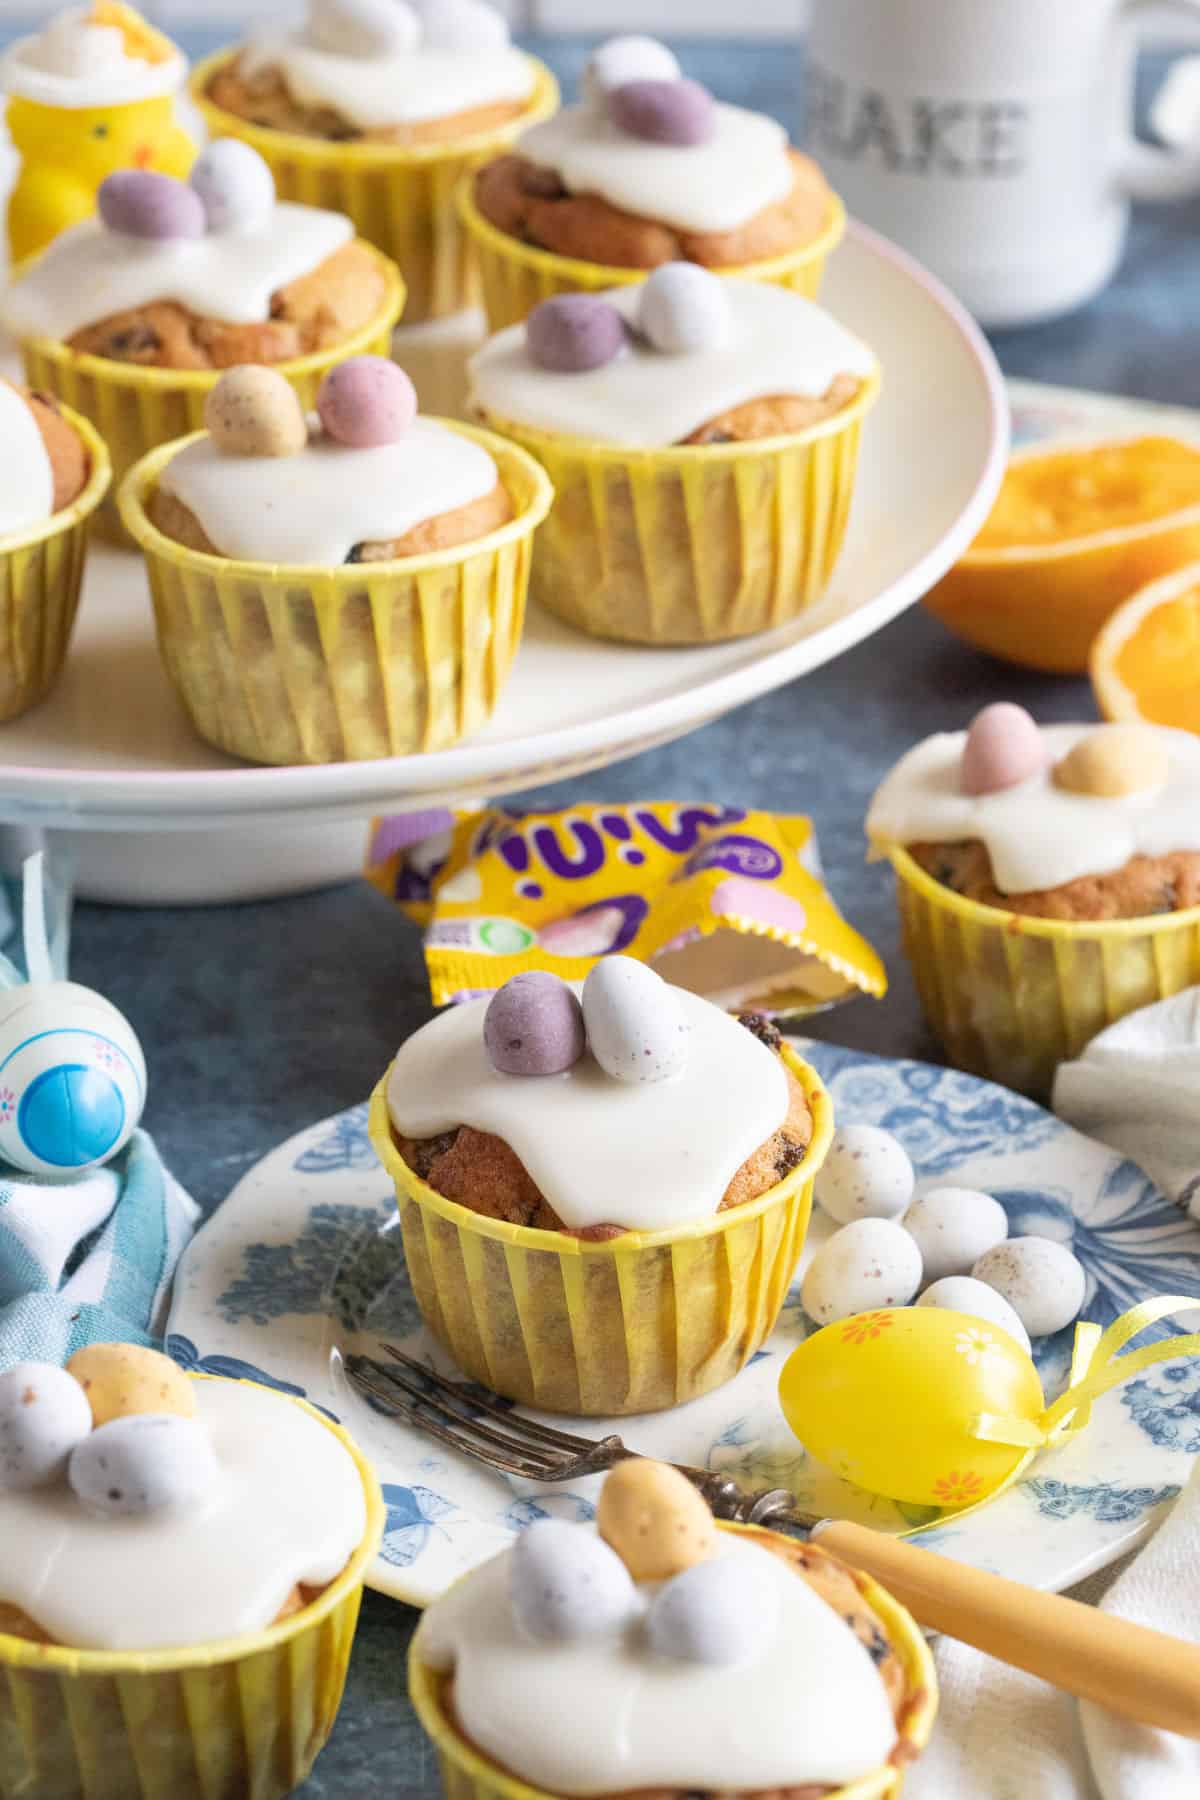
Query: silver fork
(468,1419)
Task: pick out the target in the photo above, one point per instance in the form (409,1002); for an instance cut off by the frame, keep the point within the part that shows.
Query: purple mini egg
(534,1026)
(141,204)
(574,333)
(366,402)
(1003,747)
(681,113)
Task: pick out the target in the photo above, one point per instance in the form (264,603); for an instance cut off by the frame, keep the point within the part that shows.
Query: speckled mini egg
(635,1025)
(716,1613)
(953,1226)
(143,1463)
(44,1414)
(235,185)
(1003,747)
(565,1582)
(870,1262)
(534,1025)
(367,401)
(867,1175)
(1112,761)
(632,57)
(680,113)
(572,334)
(254,411)
(363,28)
(121,1379)
(889,1400)
(682,307)
(462,25)
(654,1519)
(963,1294)
(142,204)
(1042,1281)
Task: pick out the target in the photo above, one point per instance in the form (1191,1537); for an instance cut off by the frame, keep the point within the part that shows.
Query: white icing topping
(604,1715)
(1039,835)
(75,63)
(603,1152)
(779,343)
(90,272)
(403,89)
(288,1507)
(313,508)
(26,478)
(715,186)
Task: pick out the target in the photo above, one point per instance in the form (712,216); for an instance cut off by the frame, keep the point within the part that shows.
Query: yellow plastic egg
(888,1399)
(120,1379)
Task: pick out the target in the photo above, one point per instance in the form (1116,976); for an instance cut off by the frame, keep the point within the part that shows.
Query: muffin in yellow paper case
(754,1662)
(609,1240)
(131,316)
(383,119)
(241,1713)
(646,168)
(330,592)
(54,473)
(1037,902)
(702,436)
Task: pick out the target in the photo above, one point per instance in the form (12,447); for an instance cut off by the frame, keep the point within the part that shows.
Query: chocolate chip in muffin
(764,1029)
(137,341)
(789,1156)
(424,1152)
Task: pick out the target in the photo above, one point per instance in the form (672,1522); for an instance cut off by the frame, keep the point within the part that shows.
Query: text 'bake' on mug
(991,138)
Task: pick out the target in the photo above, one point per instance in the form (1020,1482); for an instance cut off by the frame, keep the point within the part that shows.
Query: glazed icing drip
(403,89)
(90,272)
(604,1715)
(779,344)
(714,186)
(75,62)
(313,508)
(603,1152)
(26,478)
(1038,835)
(289,1508)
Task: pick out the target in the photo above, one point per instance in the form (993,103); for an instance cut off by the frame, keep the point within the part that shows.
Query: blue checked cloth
(89,1260)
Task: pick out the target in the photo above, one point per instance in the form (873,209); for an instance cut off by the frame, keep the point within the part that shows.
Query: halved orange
(1145,664)
(1075,530)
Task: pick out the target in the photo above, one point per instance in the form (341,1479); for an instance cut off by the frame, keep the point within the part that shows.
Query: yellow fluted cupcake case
(469,1775)
(41,571)
(696,543)
(135,409)
(645,1321)
(240,1720)
(401,197)
(517,277)
(1012,996)
(295,665)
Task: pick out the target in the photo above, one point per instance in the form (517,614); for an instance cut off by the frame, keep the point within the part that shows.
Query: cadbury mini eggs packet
(727,903)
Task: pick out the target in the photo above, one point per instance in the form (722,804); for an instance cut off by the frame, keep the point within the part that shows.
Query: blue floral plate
(303,1264)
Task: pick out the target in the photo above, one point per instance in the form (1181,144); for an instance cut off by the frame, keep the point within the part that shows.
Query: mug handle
(1145,172)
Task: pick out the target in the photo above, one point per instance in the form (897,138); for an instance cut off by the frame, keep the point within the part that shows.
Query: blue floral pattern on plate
(303,1264)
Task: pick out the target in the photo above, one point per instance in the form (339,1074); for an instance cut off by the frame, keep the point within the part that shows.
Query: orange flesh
(1159,663)
(1069,494)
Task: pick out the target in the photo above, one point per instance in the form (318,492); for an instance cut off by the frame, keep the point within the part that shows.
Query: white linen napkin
(1137,1087)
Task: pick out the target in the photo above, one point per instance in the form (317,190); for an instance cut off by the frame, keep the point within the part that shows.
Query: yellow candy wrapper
(725,902)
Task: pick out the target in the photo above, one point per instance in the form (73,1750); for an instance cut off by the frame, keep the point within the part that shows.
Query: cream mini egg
(635,1026)
(1042,1281)
(867,1175)
(44,1415)
(122,1379)
(962,1293)
(565,1582)
(143,1463)
(716,1613)
(952,1227)
(870,1262)
(654,1519)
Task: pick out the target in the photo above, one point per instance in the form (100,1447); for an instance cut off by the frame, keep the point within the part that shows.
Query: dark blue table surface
(258,1019)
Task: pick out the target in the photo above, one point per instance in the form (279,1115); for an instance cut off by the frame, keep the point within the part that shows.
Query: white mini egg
(717,1612)
(142,1463)
(235,185)
(1041,1280)
(463,25)
(683,307)
(72,1078)
(44,1414)
(364,28)
(566,1582)
(635,1025)
(632,57)
(953,1227)
(963,1294)
(867,1264)
(867,1175)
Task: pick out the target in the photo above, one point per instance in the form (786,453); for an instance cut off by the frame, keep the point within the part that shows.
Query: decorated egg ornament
(937,1408)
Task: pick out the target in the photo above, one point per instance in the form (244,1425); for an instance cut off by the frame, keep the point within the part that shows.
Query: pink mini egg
(142,204)
(680,113)
(1003,747)
(367,401)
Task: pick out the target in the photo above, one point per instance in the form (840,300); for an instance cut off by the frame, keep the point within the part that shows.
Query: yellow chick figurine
(93,93)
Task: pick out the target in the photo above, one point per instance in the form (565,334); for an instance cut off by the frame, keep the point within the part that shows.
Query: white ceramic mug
(992,138)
